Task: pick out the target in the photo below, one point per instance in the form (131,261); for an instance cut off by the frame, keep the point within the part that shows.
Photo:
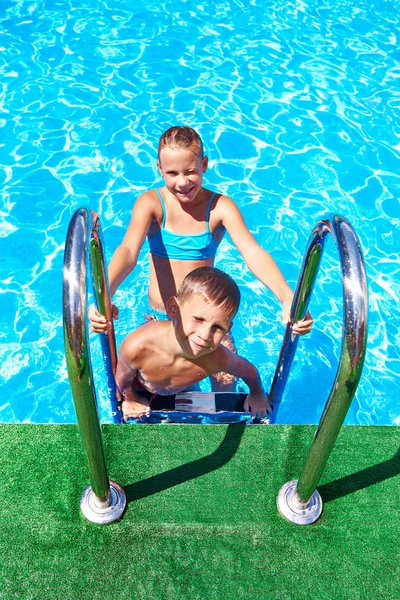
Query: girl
(184,223)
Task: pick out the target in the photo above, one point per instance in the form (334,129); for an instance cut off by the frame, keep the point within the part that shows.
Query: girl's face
(182,172)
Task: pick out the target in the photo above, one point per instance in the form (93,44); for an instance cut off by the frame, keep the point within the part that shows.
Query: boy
(166,357)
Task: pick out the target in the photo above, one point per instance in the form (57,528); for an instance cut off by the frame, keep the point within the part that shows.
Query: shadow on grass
(363,479)
(191,470)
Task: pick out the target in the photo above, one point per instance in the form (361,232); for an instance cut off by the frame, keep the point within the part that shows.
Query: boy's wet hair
(214,285)
(181,138)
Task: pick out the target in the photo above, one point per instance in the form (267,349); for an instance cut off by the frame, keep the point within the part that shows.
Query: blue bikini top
(197,246)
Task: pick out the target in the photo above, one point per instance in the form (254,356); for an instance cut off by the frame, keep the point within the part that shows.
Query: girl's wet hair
(181,138)
(214,285)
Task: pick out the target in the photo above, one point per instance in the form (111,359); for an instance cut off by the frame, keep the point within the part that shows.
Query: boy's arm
(128,364)
(234,364)
(125,378)
(259,262)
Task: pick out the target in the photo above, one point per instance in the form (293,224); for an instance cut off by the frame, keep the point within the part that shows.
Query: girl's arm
(125,256)
(259,262)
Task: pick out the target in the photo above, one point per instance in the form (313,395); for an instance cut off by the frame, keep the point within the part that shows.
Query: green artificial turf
(201,521)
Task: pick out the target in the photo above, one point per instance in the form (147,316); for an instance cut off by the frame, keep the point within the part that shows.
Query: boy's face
(200,326)
(182,171)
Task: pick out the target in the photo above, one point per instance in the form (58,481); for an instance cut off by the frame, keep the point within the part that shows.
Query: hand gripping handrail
(104,500)
(299,501)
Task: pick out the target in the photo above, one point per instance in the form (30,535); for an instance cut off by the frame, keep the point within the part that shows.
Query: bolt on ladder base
(295,511)
(106,512)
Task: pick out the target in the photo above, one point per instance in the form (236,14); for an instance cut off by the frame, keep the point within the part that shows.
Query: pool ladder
(298,500)
(103,501)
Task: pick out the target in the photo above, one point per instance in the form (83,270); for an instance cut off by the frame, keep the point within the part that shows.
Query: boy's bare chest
(175,375)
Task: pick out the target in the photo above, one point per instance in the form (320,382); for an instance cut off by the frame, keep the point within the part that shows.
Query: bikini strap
(208,210)
(163,208)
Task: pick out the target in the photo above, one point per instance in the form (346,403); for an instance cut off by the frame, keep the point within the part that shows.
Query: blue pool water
(298,105)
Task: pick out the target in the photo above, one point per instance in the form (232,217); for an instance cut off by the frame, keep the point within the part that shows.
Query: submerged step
(198,408)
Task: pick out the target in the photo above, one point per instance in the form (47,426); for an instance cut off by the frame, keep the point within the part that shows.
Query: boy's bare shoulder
(143,340)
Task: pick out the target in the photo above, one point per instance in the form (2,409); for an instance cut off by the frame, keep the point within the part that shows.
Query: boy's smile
(200,326)
(182,171)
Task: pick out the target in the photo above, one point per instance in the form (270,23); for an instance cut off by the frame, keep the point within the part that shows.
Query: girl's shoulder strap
(209,208)
(162,206)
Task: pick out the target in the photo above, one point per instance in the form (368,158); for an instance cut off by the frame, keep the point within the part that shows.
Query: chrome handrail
(103,302)
(104,500)
(299,501)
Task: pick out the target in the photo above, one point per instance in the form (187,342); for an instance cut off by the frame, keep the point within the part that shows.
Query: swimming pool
(298,108)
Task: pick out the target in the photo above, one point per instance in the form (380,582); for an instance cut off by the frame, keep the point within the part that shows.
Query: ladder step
(195,407)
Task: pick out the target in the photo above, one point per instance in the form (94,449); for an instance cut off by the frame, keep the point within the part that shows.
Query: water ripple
(298,108)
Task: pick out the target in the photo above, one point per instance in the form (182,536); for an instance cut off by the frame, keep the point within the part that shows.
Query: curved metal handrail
(299,501)
(102,296)
(104,501)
